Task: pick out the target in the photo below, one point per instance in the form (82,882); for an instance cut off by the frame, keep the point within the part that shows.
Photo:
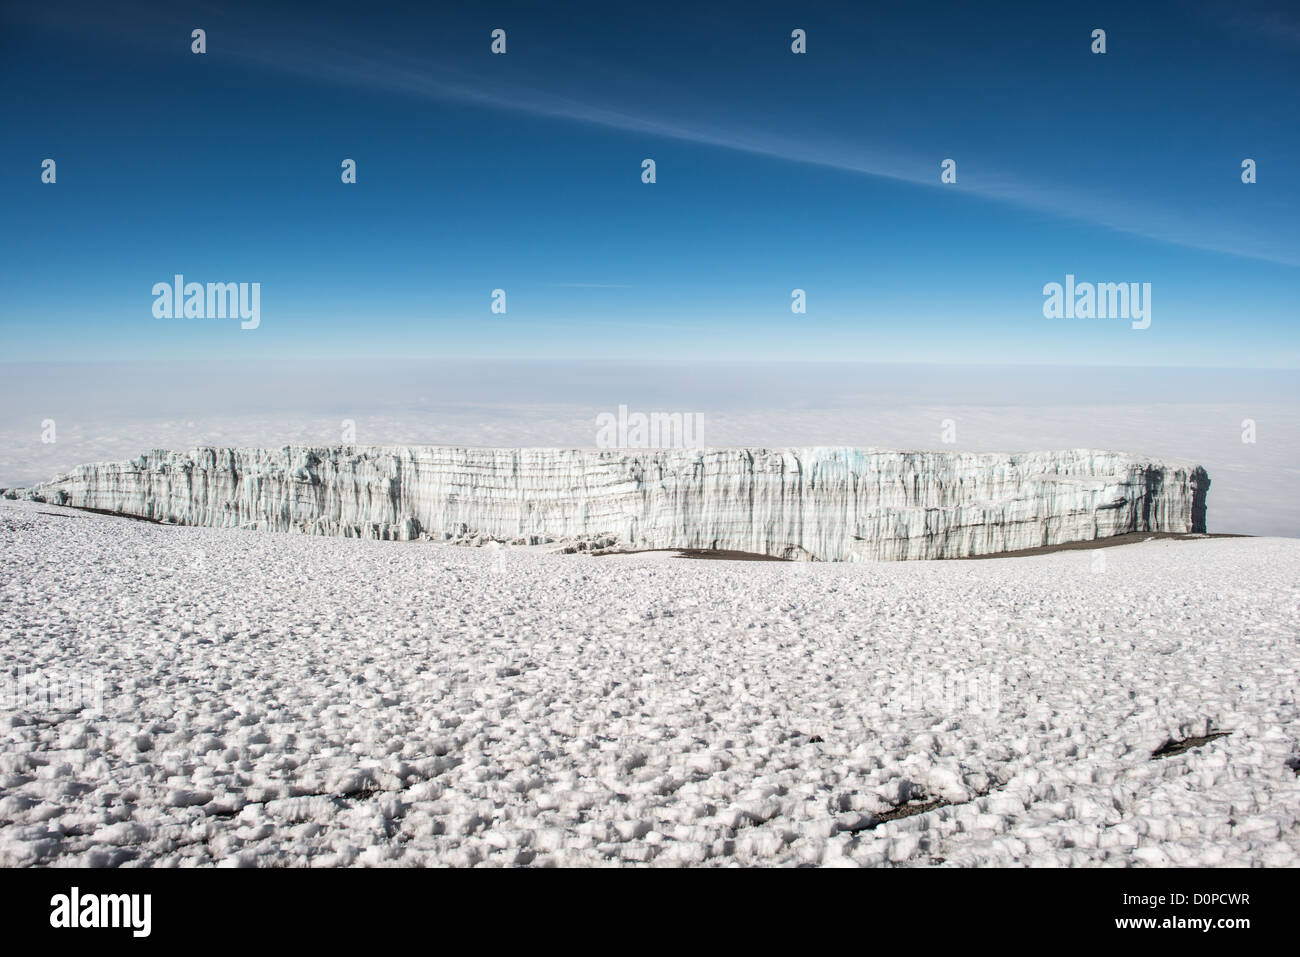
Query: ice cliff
(825,504)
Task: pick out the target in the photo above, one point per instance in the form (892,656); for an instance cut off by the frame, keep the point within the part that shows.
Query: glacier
(809,504)
(828,505)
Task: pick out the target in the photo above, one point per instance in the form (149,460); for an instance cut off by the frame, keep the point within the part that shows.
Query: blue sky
(775,171)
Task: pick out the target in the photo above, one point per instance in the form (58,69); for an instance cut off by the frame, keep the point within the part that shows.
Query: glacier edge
(821,504)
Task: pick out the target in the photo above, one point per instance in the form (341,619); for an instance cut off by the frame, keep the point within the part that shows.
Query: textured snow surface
(826,504)
(273,699)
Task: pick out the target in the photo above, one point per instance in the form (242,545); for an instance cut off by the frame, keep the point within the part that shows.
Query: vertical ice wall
(828,504)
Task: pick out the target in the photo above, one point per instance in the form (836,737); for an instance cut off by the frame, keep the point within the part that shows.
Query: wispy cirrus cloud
(391,71)
(320,52)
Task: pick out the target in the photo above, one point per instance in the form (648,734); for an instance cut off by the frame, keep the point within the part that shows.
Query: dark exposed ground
(1172,747)
(721,554)
(1130,538)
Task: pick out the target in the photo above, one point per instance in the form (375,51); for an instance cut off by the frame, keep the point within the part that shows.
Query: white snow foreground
(823,504)
(274,699)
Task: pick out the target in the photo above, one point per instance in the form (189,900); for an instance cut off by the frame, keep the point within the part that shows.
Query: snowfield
(266,699)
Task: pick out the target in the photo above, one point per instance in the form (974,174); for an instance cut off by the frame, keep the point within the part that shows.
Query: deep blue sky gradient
(775,171)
